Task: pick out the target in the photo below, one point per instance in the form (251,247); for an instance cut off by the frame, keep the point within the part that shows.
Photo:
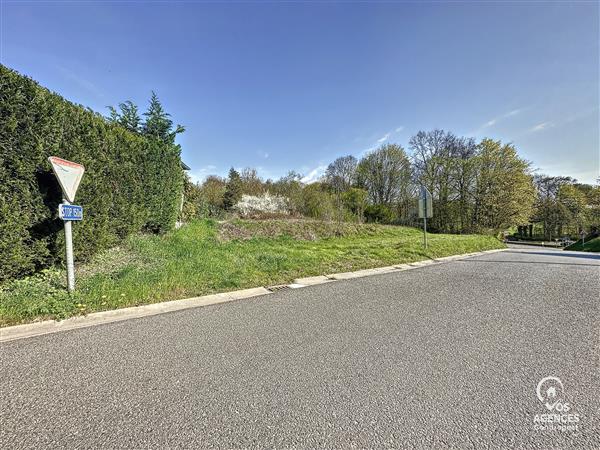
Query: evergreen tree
(158,123)
(233,189)
(114,115)
(129,116)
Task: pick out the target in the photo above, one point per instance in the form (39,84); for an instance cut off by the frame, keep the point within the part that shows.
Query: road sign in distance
(425,204)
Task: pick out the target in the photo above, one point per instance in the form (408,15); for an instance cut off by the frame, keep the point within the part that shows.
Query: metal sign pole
(69,176)
(69,245)
(425,221)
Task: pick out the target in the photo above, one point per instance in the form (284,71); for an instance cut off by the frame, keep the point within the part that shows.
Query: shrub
(318,203)
(355,201)
(378,214)
(251,205)
(131,182)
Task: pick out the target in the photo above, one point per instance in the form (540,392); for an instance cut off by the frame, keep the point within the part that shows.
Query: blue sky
(282,86)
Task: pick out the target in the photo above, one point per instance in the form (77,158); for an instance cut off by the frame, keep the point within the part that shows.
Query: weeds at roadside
(207,257)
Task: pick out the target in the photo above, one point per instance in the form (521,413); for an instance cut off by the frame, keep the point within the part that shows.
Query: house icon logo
(558,415)
(550,392)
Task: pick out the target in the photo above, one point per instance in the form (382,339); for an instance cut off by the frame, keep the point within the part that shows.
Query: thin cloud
(495,120)
(314,174)
(582,114)
(573,118)
(384,138)
(199,175)
(541,126)
(381,140)
(82,82)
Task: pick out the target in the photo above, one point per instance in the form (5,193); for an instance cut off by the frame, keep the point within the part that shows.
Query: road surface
(448,355)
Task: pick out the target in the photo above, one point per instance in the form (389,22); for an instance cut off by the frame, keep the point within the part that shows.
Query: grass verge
(207,257)
(592,245)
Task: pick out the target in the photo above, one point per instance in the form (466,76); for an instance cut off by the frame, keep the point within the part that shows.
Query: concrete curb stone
(51,326)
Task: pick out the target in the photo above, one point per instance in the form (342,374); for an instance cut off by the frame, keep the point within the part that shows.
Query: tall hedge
(131,182)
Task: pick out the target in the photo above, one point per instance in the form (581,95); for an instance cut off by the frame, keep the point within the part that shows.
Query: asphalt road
(447,355)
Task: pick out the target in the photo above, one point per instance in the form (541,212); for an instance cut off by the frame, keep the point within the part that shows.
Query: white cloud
(381,140)
(199,175)
(541,126)
(314,174)
(384,138)
(495,120)
(319,171)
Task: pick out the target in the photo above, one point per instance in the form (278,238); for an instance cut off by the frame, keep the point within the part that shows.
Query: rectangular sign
(425,204)
(70,212)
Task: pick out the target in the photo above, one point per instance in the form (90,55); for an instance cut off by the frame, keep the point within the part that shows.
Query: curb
(117,315)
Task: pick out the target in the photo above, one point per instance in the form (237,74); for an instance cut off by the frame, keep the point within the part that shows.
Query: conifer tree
(158,123)
(233,189)
(129,116)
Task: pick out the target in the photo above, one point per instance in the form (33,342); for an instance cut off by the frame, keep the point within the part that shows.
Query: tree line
(477,187)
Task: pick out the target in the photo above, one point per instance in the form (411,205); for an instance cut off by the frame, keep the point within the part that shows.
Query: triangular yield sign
(69,175)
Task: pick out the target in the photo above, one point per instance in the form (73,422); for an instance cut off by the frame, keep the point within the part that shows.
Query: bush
(378,214)
(251,205)
(131,182)
(318,203)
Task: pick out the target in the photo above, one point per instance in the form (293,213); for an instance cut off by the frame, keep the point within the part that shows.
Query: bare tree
(386,174)
(444,165)
(252,184)
(341,173)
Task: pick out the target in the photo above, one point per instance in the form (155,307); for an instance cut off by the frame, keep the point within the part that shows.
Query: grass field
(593,245)
(208,257)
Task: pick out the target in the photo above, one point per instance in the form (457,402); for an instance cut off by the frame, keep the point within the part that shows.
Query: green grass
(208,257)
(593,245)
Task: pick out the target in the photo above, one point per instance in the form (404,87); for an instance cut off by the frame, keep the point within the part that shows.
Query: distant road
(445,355)
(516,244)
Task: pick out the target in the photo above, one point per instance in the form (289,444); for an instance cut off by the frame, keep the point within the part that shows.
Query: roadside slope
(208,257)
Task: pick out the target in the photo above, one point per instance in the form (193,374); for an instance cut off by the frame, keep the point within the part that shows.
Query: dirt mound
(301,229)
